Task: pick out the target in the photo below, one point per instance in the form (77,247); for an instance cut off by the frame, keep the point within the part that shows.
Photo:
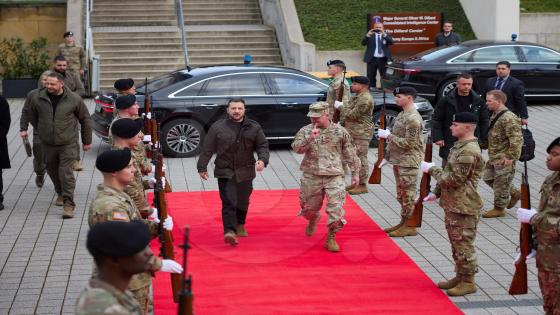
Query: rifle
(519,281)
(339,96)
(165,237)
(375,177)
(156,147)
(147,110)
(415,219)
(186,295)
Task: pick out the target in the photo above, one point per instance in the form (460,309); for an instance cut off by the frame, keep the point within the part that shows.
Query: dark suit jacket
(515,92)
(371,46)
(4,128)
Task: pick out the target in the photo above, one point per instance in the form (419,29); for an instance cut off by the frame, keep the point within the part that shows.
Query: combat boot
(360,189)
(68,212)
(311,227)
(514,198)
(39,180)
(403,231)
(448,284)
(230,238)
(330,243)
(59,201)
(494,213)
(241,231)
(465,286)
(77,166)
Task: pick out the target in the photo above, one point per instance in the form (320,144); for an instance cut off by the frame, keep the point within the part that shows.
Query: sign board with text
(412,32)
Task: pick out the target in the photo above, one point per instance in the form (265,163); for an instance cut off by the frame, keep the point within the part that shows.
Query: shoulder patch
(465,159)
(120,216)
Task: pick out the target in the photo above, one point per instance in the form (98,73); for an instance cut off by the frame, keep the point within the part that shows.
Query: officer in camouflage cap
(546,225)
(75,54)
(335,69)
(327,149)
(460,200)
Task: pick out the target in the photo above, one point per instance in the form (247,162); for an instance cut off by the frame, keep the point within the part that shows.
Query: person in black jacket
(512,87)
(461,99)
(377,53)
(5,121)
(234,140)
(447,37)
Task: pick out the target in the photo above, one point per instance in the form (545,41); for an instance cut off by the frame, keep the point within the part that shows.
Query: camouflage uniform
(460,199)
(323,172)
(333,92)
(357,119)
(546,225)
(75,55)
(113,205)
(100,297)
(405,152)
(504,140)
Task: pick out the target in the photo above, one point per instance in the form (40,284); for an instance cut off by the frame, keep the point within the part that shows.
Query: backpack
(528,148)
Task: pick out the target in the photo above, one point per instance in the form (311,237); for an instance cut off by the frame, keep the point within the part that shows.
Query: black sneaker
(1,206)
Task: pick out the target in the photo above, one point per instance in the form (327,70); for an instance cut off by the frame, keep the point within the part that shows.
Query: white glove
(168,223)
(148,115)
(525,215)
(383,133)
(532,254)
(383,163)
(154,215)
(168,265)
(425,166)
(147,138)
(153,169)
(338,104)
(431,197)
(152,182)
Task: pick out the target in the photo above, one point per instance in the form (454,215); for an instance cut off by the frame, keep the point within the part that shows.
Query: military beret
(336,62)
(123,84)
(126,128)
(118,238)
(553,144)
(406,90)
(360,79)
(69,33)
(317,109)
(465,117)
(125,101)
(113,160)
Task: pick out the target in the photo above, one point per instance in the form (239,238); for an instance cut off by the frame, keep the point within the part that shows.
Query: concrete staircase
(139,38)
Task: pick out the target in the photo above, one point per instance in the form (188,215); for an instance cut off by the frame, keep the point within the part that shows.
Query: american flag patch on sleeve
(120,216)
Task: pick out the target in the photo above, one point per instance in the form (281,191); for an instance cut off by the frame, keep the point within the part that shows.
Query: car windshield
(163,81)
(434,53)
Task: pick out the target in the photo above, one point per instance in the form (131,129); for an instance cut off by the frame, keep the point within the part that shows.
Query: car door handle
(208,105)
(289,103)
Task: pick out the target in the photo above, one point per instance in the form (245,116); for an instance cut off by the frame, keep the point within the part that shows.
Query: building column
(492,19)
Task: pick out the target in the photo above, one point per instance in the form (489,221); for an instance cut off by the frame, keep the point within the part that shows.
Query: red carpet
(278,270)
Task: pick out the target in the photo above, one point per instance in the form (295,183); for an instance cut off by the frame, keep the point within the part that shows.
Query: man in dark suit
(377,52)
(4,157)
(512,87)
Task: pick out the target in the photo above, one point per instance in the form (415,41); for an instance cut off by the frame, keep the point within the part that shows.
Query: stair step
(134,35)
(230,39)
(126,45)
(222,21)
(232,52)
(143,17)
(231,45)
(233,59)
(135,23)
(148,41)
(167,67)
(229,34)
(139,53)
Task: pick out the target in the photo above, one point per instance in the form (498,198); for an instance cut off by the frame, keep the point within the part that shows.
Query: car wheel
(390,116)
(446,87)
(182,138)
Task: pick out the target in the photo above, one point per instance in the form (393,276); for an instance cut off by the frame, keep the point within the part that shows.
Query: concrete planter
(18,88)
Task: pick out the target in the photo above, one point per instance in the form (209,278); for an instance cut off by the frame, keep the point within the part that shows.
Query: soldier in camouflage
(356,117)
(405,152)
(546,225)
(460,200)
(75,55)
(504,148)
(111,203)
(335,71)
(327,147)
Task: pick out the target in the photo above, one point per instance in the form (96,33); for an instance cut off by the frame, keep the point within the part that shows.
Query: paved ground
(44,263)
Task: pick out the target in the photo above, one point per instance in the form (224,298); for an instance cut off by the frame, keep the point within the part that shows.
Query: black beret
(406,90)
(126,128)
(123,84)
(69,33)
(360,79)
(553,144)
(113,160)
(125,101)
(465,117)
(335,62)
(118,238)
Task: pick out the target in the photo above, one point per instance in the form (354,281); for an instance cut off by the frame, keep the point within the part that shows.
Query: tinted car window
(538,54)
(435,53)
(237,84)
(295,84)
(490,54)
(192,90)
(164,81)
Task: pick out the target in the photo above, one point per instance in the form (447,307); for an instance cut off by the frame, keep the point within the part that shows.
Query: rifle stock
(375,177)
(147,110)
(186,296)
(415,219)
(519,281)
(339,96)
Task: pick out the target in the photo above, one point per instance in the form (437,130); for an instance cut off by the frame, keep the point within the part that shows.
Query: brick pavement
(44,264)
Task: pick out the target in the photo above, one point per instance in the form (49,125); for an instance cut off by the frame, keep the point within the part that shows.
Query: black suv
(187,103)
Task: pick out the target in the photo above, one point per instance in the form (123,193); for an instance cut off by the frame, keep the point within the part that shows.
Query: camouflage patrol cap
(317,109)
(125,101)
(117,238)
(126,128)
(553,144)
(113,160)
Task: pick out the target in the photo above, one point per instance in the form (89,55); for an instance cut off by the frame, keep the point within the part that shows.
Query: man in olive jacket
(56,112)
(461,99)
(234,139)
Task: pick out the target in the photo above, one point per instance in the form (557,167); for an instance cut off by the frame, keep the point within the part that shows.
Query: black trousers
(1,187)
(372,66)
(235,201)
